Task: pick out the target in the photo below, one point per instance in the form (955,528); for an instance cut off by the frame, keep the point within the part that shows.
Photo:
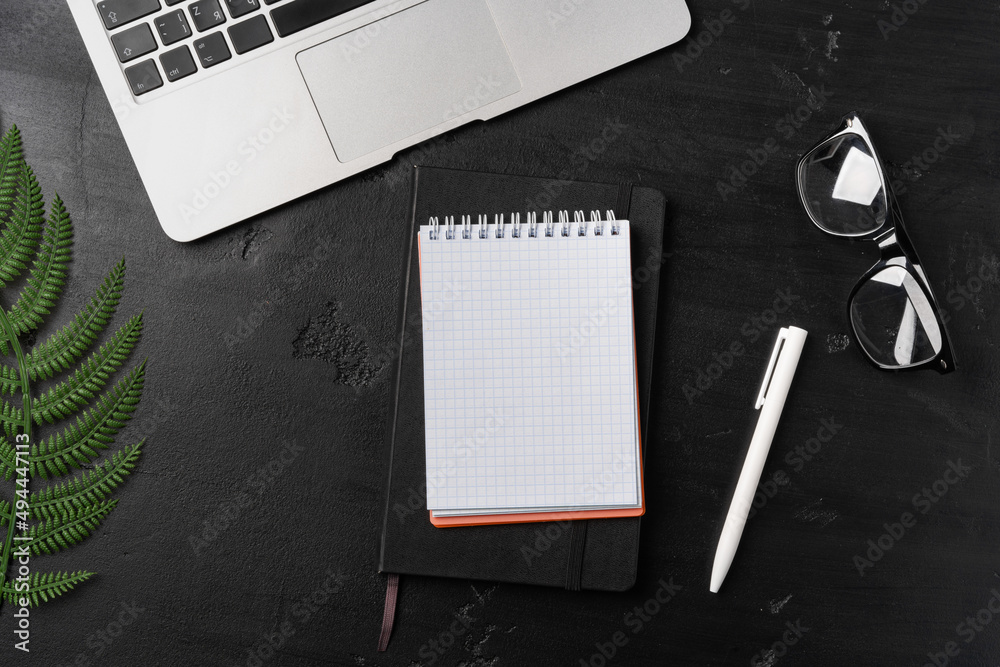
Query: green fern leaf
(94,430)
(9,380)
(44,586)
(85,490)
(68,346)
(65,530)
(68,512)
(10,166)
(69,396)
(24,227)
(7,459)
(48,274)
(11,417)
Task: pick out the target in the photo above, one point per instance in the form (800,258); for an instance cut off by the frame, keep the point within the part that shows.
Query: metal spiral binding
(532,224)
(515,225)
(516,232)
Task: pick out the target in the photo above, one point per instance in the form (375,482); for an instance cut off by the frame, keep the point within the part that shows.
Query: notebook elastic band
(624,205)
(574,563)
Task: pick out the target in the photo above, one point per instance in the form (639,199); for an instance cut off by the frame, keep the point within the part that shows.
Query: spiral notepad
(530,393)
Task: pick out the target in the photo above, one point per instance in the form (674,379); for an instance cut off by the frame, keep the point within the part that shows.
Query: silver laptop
(233,107)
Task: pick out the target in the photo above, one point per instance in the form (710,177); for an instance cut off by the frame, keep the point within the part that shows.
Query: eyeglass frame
(894,244)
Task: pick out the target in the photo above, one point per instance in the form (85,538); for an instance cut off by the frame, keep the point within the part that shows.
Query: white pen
(773,392)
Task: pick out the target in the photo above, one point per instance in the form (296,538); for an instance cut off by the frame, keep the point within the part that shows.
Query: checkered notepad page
(529,370)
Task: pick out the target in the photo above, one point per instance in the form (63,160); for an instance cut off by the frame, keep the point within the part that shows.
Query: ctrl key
(143,77)
(178,63)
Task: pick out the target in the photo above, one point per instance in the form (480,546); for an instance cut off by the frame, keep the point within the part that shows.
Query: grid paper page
(529,370)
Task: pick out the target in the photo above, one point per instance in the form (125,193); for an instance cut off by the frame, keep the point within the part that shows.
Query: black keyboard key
(206,14)
(178,63)
(117,13)
(134,42)
(298,15)
(238,8)
(143,77)
(173,27)
(250,34)
(212,50)
(170,3)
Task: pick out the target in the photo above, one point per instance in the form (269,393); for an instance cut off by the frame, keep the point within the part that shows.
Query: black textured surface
(233,413)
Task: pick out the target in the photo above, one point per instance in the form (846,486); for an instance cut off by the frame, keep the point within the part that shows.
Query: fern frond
(6,512)
(48,273)
(94,429)
(20,235)
(88,489)
(65,530)
(10,161)
(44,586)
(67,346)
(8,459)
(12,418)
(10,380)
(69,396)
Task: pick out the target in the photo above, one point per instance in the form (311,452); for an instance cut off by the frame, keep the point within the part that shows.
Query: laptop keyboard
(147,35)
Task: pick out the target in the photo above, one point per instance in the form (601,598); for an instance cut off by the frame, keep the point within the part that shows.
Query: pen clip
(771,365)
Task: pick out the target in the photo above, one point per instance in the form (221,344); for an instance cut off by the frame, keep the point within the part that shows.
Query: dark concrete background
(258,352)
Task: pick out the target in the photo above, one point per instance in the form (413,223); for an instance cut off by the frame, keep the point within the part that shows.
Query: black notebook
(593,554)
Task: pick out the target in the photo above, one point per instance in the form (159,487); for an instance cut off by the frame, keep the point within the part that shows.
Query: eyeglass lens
(894,320)
(840,185)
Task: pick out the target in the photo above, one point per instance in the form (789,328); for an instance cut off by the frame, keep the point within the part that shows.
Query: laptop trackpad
(407,73)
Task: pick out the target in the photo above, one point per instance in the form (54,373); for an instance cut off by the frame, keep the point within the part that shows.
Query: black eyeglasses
(893,312)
